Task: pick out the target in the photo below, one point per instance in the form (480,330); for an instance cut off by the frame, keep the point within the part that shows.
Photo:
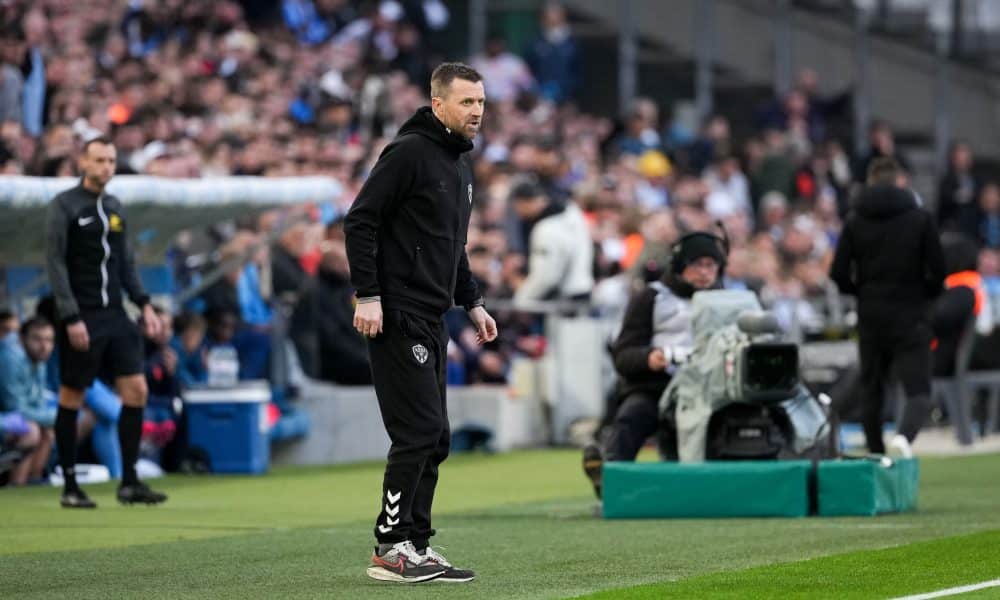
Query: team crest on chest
(420,353)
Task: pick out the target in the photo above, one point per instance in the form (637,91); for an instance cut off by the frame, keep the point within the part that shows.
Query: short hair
(35,322)
(883,171)
(526,190)
(189,320)
(447,72)
(101,139)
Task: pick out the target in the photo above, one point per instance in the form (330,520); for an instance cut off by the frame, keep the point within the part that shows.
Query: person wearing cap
(656,336)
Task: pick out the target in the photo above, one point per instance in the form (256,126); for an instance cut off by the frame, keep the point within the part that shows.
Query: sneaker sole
(81,506)
(383,574)
(453,580)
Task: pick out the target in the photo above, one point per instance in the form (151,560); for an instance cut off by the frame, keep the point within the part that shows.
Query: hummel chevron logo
(384,529)
(393,499)
(391,510)
(389,521)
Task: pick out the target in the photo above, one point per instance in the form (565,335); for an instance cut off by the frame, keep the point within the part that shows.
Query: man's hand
(657,360)
(368,318)
(151,323)
(486,327)
(78,336)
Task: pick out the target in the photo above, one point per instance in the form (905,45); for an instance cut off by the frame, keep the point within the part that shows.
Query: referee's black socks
(66,443)
(129,436)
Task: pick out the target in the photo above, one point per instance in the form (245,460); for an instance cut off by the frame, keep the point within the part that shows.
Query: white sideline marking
(953,591)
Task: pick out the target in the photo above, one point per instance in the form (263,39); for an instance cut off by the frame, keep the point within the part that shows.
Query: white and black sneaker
(401,563)
(451,574)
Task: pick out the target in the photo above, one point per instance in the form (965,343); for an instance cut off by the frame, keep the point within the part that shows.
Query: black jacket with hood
(889,257)
(407,229)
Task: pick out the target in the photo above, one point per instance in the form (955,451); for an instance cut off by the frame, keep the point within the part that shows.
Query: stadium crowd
(318,87)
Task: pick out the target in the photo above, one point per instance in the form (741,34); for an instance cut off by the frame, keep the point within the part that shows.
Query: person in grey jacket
(90,264)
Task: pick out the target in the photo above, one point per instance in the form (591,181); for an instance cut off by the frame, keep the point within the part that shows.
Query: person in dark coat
(890,258)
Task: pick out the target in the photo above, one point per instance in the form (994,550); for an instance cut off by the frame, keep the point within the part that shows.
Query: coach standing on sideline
(90,264)
(406,235)
(889,256)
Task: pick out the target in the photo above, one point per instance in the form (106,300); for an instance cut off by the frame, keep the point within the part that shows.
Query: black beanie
(694,246)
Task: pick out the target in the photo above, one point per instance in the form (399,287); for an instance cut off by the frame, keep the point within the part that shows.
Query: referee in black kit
(406,235)
(90,264)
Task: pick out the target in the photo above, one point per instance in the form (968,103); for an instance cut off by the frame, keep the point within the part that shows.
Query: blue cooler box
(230,425)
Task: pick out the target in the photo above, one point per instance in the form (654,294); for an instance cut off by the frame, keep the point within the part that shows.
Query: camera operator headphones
(704,244)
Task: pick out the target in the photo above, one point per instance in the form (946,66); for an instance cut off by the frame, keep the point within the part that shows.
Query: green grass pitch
(521,520)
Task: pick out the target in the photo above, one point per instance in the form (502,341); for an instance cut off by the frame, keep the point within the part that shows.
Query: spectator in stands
(8,323)
(554,57)
(729,189)
(11,81)
(36,27)
(655,338)
(342,353)
(715,140)
(560,249)
(989,216)
(23,390)
(652,191)
(506,75)
(882,144)
(188,346)
(19,439)
(889,257)
(641,132)
(958,191)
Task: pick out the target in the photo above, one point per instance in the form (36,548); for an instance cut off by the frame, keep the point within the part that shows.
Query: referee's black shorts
(116,350)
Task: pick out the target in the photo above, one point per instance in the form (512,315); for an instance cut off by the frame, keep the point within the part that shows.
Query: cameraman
(656,336)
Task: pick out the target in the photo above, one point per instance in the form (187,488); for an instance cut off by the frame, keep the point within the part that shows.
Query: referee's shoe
(139,493)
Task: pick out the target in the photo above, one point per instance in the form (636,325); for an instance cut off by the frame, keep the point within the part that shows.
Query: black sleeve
(934,272)
(466,290)
(842,269)
(389,182)
(55,262)
(631,350)
(129,274)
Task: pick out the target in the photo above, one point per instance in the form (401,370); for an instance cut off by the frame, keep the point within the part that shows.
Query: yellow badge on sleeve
(115,223)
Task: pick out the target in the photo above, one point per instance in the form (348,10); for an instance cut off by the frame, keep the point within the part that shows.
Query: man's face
(529,208)
(461,108)
(701,273)
(98,164)
(39,342)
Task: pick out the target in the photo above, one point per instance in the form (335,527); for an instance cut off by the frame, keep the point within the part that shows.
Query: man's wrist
(479,302)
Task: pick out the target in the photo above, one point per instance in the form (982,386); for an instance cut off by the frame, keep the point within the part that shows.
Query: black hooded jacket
(407,229)
(890,257)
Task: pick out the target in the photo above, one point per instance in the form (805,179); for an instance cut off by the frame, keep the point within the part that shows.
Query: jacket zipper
(107,250)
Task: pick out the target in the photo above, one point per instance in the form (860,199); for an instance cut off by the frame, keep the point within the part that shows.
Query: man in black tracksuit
(90,264)
(406,235)
(889,256)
